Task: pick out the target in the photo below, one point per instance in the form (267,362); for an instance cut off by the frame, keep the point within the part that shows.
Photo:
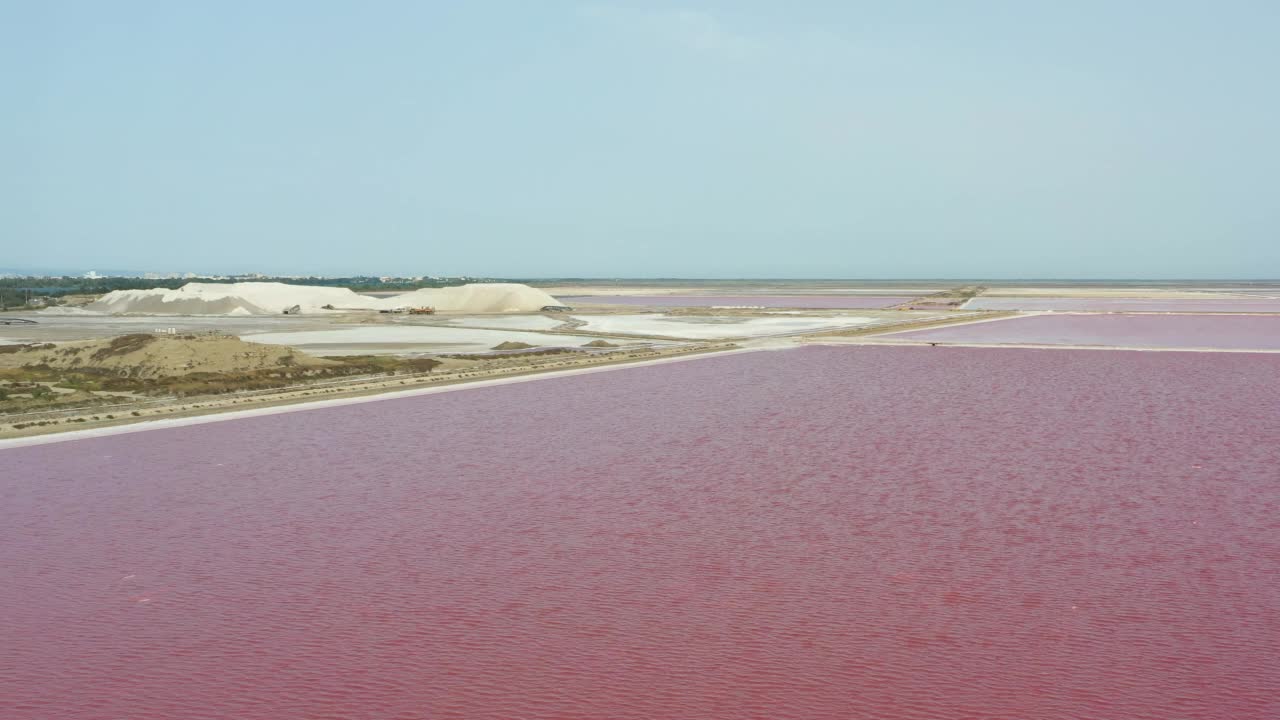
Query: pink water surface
(822,533)
(1226,332)
(1226,305)
(780,301)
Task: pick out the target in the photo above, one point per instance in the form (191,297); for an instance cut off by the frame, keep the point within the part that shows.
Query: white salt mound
(476,298)
(274,298)
(225,299)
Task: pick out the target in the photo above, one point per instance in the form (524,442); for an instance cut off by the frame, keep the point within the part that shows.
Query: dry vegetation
(50,377)
(146,356)
(377,375)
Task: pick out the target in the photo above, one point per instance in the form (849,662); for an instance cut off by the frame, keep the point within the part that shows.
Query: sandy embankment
(211,408)
(146,355)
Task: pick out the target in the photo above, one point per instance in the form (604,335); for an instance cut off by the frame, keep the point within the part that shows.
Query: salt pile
(250,298)
(477,298)
(253,298)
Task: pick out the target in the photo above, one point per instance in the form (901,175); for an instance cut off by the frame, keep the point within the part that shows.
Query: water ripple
(912,533)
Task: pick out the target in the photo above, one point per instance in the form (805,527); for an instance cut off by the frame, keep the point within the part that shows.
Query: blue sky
(717,139)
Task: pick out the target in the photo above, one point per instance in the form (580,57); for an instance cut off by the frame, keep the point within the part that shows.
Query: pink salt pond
(1225,332)
(808,302)
(1067,304)
(827,533)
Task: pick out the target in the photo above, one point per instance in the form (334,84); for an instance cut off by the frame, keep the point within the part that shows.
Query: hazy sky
(708,139)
